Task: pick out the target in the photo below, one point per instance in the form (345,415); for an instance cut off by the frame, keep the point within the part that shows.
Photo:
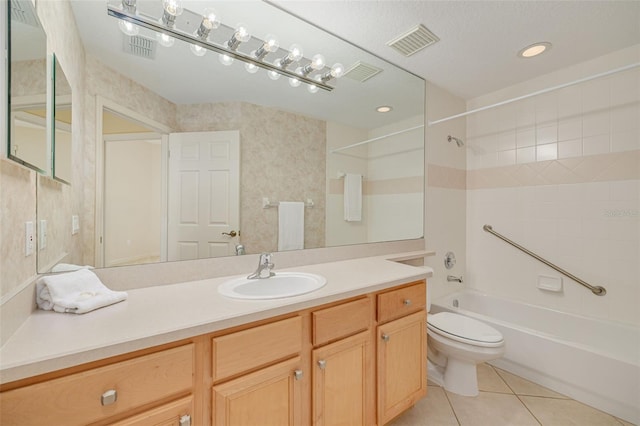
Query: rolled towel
(68,267)
(76,292)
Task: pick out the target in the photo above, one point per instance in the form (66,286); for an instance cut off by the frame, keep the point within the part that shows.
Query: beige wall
(560,174)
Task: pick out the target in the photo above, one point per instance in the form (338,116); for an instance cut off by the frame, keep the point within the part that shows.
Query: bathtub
(593,361)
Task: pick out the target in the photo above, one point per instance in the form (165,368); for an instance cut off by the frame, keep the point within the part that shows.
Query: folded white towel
(75,292)
(68,267)
(290,225)
(352,197)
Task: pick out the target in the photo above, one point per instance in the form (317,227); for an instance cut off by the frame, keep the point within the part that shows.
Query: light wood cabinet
(402,359)
(267,397)
(176,413)
(343,378)
(361,361)
(101,393)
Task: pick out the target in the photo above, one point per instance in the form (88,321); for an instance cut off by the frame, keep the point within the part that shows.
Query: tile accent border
(446,177)
(406,185)
(594,168)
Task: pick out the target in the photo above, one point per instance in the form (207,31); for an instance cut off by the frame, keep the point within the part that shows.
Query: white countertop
(49,341)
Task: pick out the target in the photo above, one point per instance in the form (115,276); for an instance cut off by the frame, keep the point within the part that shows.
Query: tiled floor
(504,400)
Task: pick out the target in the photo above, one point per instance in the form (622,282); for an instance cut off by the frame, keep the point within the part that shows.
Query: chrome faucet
(451,278)
(264,268)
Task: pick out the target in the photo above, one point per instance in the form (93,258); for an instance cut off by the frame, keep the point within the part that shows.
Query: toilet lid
(463,328)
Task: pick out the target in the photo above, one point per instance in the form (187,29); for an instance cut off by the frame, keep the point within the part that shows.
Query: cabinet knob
(322,364)
(407,302)
(109,397)
(298,374)
(185,420)
(385,337)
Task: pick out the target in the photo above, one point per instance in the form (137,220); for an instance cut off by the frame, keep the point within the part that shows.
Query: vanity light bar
(153,25)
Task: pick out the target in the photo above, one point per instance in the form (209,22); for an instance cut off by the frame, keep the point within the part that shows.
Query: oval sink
(283,284)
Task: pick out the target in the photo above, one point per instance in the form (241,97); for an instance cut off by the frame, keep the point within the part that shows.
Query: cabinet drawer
(403,301)
(255,347)
(78,398)
(341,321)
(176,413)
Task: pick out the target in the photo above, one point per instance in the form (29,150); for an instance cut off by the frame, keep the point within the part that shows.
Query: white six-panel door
(204,194)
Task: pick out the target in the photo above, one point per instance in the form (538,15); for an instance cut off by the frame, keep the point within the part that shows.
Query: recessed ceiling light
(384,108)
(534,50)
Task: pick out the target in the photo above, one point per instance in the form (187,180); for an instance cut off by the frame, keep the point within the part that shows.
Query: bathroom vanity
(353,352)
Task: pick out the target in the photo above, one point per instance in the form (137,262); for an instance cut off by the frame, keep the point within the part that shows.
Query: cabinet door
(402,362)
(177,413)
(343,381)
(271,396)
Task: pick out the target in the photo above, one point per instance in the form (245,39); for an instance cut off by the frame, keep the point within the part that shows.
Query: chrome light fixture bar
(154,25)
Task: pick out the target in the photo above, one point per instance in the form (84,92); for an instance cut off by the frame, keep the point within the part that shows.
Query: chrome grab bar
(597,290)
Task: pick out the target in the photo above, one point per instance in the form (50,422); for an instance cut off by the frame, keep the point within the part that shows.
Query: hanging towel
(352,197)
(290,225)
(75,292)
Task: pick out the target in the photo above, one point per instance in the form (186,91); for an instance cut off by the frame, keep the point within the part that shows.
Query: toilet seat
(464,329)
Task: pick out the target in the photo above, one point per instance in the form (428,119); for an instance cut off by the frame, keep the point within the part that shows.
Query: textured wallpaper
(288,148)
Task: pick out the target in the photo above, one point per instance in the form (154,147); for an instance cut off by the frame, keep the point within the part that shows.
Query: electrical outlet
(42,235)
(28,236)
(75,224)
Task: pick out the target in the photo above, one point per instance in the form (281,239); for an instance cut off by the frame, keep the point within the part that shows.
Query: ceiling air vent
(21,12)
(140,46)
(413,40)
(362,72)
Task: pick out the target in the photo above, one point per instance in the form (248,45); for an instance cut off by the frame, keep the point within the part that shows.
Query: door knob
(231,234)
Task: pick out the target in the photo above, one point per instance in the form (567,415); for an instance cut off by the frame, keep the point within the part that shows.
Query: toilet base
(461,377)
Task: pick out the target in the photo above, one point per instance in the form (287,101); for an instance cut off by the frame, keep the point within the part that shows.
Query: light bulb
(211,19)
(251,68)
(242,33)
(294,82)
(317,62)
(273,75)
(312,88)
(198,50)
(337,70)
(225,60)
(295,52)
(172,7)
(271,43)
(128,28)
(165,39)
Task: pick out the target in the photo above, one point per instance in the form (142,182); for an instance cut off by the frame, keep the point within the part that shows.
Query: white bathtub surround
(591,360)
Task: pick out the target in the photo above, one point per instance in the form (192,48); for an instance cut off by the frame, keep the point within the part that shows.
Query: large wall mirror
(196,151)
(28,141)
(61,124)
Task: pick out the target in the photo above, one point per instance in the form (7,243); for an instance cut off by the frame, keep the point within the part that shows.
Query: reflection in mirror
(61,124)
(292,145)
(28,140)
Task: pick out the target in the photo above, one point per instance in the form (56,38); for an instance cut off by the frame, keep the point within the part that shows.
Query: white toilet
(456,344)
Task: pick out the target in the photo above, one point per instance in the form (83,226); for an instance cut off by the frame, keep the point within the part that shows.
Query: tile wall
(559,173)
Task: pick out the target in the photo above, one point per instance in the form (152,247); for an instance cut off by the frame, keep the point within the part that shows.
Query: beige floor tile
(491,409)
(566,412)
(490,381)
(433,410)
(524,387)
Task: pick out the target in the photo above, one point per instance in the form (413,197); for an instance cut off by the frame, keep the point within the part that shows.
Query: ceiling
(479,40)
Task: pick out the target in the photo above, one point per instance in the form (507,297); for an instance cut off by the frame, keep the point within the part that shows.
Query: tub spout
(451,278)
